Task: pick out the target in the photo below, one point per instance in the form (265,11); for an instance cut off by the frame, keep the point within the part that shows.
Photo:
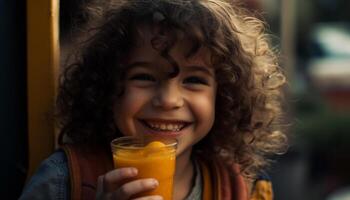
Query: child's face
(182,107)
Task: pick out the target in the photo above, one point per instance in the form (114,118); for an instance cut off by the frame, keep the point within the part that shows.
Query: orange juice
(155,160)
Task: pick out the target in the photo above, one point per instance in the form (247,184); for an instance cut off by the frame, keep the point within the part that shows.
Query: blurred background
(313,38)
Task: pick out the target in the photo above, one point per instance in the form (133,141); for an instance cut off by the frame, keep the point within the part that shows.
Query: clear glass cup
(153,159)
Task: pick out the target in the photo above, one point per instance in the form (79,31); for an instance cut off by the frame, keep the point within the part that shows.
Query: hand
(112,185)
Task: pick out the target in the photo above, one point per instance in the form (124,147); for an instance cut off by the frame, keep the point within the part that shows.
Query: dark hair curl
(248,102)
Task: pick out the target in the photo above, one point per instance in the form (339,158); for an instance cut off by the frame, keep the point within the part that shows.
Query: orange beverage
(153,160)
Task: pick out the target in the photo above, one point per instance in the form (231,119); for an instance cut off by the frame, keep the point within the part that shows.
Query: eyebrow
(190,68)
(138,64)
(203,69)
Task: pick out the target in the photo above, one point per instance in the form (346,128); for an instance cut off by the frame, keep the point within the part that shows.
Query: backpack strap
(85,166)
(216,181)
(207,189)
(226,183)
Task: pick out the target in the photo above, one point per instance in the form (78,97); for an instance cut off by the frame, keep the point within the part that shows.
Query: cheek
(126,109)
(205,110)
(120,116)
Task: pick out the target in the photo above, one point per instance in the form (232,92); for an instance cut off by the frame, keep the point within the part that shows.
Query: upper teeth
(166,126)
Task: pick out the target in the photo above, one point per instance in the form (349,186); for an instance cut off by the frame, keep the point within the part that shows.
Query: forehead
(148,43)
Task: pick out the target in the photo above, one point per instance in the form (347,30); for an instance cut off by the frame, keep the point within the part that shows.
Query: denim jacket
(51,180)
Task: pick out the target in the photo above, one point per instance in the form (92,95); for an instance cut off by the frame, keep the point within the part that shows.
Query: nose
(168,97)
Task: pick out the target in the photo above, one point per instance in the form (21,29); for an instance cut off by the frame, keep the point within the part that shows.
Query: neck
(183,178)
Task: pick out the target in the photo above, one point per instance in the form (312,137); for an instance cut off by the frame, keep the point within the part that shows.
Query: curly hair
(248,103)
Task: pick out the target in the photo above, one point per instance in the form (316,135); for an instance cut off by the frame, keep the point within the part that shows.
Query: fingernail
(154,183)
(133,171)
(157,197)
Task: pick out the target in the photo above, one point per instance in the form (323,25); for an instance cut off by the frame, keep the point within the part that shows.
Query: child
(200,71)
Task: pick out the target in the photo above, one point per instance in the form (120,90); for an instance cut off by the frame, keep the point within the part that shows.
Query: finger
(99,191)
(135,187)
(114,179)
(155,197)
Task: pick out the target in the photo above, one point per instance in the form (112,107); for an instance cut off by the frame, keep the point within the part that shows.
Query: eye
(196,80)
(142,77)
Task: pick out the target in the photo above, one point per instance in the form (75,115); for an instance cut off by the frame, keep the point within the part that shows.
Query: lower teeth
(158,129)
(165,130)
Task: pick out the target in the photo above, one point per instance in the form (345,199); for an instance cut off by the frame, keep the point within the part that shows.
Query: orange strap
(74,172)
(207,187)
(240,189)
(221,183)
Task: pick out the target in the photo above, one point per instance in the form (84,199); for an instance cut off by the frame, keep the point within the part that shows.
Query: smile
(165,126)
